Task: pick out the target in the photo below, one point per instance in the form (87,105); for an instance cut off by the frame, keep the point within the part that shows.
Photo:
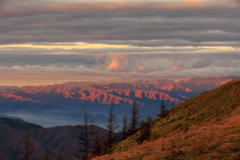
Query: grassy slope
(204,127)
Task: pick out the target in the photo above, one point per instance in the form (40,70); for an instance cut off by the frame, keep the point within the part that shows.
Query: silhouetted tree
(46,155)
(29,148)
(162,110)
(111,127)
(135,119)
(148,127)
(85,136)
(97,147)
(124,130)
(59,156)
(145,130)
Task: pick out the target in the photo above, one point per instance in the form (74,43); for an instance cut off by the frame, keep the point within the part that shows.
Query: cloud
(118,63)
(174,68)
(114,65)
(17,67)
(69,22)
(140,68)
(138,60)
(193,1)
(116,39)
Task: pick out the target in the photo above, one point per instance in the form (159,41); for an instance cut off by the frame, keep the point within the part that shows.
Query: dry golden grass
(204,127)
(212,141)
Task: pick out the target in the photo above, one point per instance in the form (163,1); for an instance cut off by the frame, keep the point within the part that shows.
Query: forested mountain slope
(55,140)
(204,127)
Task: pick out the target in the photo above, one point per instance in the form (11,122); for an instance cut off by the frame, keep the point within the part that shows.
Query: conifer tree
(162,110)
(111,127)
(29,148)
(97,147)
(46,155)
(148,127)
(59,156)
(85,136)
(135,119)
(124,130)
(145,130)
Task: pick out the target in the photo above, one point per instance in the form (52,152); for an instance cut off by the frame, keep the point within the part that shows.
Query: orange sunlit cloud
(140,68)
(118,63)
(66,46)
(174,68)
(84,45)
(17,67)
(114,65)
(193,1)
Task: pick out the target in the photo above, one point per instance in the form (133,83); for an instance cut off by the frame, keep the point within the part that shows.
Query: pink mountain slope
(118,92)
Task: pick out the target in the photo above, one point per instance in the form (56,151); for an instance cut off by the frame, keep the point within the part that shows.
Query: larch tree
(162,110)
(135,119)
(85,137)
(124,130)
(29,148)
(111,126)
(97,146)
(59,156)
(145,130)
(46,155)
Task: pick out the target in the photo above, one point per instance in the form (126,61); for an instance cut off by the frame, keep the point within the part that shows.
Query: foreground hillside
(204,127)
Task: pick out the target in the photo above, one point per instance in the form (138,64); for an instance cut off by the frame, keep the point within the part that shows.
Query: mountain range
(49,105)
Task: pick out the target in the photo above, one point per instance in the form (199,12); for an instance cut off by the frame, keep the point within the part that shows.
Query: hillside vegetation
(54,140)
(204,127)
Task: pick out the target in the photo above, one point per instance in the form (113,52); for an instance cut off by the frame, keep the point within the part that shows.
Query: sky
(54,41)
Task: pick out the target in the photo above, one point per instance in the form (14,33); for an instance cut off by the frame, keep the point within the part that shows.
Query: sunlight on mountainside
(204,127)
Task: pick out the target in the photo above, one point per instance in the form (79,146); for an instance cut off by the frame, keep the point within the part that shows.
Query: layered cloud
(118,39)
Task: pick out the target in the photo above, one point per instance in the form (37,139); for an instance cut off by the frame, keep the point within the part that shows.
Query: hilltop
(18,124)
(60,139)
(204,127)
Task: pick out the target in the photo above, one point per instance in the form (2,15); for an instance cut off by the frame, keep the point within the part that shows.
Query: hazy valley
(60,104)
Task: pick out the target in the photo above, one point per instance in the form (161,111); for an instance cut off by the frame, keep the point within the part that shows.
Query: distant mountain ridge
(74,83)
(9,87)
(63,101)
(121,92)
(18,124)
